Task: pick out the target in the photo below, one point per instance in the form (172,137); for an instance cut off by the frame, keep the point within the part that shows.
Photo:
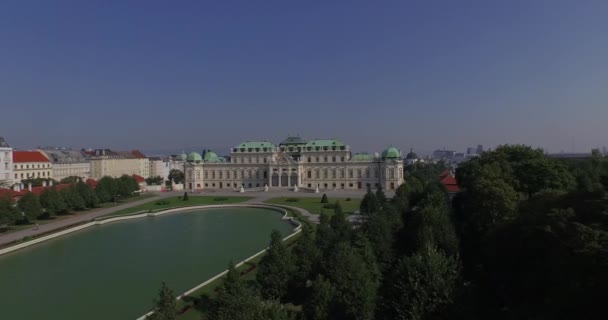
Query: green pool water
(114,271)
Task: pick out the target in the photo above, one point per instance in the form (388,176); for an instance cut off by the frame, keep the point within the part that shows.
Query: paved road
(47,227)
(256,197)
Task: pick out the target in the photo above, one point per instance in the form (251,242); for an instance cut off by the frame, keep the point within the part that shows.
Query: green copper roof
(211,156)
(194,156)
(391,153)
(256,144)
(362,157)
(293,140)
(325,143)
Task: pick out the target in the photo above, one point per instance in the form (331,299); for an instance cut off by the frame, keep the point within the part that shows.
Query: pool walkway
(256,198)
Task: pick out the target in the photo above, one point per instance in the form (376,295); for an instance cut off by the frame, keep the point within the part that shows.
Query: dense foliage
(65,199)
(176,176)
(165,306)
(526,238)
(154,181)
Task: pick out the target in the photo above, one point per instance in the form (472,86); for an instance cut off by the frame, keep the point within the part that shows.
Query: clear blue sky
(169,75)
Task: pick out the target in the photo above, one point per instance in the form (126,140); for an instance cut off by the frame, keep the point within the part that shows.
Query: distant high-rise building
(605,151)
(479,149)
(443,154)
(471,150)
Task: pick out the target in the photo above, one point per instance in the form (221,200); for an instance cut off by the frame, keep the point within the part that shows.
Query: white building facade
(68,163)
(323,164)
(6,164)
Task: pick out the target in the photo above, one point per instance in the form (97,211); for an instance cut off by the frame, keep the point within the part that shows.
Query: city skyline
(415,75)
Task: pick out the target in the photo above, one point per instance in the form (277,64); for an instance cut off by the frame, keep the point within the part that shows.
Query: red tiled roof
(91,182)
(449,182)
(29,156)
(35,190)
(138,154)
(8,192)
(139,179)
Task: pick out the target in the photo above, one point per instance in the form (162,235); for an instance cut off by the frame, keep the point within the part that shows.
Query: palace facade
(326,164)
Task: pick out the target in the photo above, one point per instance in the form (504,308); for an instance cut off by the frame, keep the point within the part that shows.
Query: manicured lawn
(314,205)
(176,202)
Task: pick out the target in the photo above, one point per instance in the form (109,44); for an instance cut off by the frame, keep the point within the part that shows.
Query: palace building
(323,164)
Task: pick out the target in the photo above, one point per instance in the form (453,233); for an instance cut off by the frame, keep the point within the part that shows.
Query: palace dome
(391,153)
(194,156)
(411,155)
(211,156)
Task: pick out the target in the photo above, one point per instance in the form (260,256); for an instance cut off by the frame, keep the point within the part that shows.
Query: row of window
(39,166)
(289,149)
(351,173)
(249,160)
(213,174)
(316,159)
(325,159)
(33,175)
(324,186)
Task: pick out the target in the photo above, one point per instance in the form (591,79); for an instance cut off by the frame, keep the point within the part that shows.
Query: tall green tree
(274,270)
(72,199)
(8,213)
(154,181)
(126,185)
(337,207)
(235,301)
(324,237)
(421,287)
(106,189)
(29,204)
(353,299)
(176,176)
(305,259)
(341,227)
(320,303)
(87,194)
(380,196)
(369,204)
(165,305)
(53,202)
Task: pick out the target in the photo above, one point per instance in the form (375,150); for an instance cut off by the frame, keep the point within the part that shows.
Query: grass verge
(177,202)
(314,205)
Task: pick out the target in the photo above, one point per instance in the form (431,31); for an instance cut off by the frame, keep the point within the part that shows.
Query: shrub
(324,199)
(185,198)
(348,199)
(220,199)
(292,200)
(162,202)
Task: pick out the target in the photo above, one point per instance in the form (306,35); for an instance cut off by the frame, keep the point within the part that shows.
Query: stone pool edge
(16,247)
